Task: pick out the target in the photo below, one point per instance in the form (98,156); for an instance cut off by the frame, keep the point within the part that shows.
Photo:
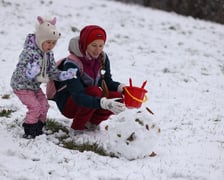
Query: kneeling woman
(93,96)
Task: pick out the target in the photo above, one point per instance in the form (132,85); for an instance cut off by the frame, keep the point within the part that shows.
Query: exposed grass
(55,127)
(87,147)
(6,112)
(5,96)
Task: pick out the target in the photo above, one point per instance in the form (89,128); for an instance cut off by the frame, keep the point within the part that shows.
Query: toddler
(37,65)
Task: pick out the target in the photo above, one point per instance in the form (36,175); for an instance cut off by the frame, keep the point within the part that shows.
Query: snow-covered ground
(182,60)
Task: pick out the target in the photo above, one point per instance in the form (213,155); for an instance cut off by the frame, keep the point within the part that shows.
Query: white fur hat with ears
(46,30)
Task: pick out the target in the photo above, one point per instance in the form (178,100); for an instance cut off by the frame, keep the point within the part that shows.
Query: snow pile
(132,138)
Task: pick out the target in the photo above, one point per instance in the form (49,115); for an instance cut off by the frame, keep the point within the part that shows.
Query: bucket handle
(143,85)
(130,82)
(136,99)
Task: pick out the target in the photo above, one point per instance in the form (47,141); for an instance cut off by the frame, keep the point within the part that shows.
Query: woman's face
(48,45)
(95,48)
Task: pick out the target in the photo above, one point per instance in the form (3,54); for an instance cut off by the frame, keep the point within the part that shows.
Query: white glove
(32,70)
(112,105)
(69,74)
(120,88)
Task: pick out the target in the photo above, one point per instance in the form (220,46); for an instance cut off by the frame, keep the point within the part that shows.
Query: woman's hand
(112,105)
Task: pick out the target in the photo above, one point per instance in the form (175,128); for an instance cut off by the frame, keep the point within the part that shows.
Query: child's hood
(30,42)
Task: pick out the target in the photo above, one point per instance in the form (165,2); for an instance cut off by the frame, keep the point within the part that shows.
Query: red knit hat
(89,34)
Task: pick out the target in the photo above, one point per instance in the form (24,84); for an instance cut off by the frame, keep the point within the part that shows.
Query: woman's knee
(94,91)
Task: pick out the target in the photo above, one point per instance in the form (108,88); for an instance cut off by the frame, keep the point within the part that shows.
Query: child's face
(95,48)
(48,45)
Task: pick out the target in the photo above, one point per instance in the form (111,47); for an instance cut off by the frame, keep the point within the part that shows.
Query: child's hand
(69,74)
(73,72)
(32,70)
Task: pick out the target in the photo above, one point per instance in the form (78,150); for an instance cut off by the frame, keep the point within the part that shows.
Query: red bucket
(134,96)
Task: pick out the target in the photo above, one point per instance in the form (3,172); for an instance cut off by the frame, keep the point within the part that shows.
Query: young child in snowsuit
(37,65)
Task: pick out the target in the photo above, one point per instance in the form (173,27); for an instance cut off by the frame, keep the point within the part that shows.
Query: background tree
(212,10)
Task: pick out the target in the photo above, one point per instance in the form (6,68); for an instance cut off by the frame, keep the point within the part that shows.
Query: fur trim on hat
(46,30)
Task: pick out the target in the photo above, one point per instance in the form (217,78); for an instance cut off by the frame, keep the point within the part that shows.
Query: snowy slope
(180,57)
